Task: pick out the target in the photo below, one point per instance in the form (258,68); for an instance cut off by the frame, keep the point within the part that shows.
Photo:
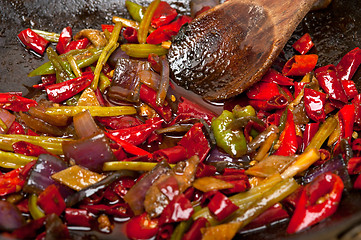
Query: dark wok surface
(335,31)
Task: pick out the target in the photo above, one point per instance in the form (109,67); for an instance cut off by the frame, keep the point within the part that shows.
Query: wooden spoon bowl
(229,48)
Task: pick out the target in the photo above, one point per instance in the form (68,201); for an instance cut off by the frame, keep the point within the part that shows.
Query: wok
(335,31)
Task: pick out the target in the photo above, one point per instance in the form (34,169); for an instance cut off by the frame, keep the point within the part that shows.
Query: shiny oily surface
(335,31)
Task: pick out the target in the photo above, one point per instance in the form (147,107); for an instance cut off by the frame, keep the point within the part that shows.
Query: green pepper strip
(143,50)
(14,160)
(129,23)
(71,111)
(104,81)
(47,68)
(135,10)
(34,209)
(50,36)
(244,199)
(62,69)
(145,23)
(107,51)
(134,166)
(74,66)
(323,133)
(51,144)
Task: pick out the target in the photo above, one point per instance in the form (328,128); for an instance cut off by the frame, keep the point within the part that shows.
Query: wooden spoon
(229,48)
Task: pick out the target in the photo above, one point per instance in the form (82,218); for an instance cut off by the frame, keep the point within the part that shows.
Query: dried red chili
(288,139)
(171,155)
(179,209)
(310,131)
(186,106)
(28,149)
(78,44)
(315,104)
(221,206)
(299,65)
(348,65)
(77,217)
(51,201)
(163,15)
(64,40)
(194,233)
(346,117)
(276,77)
(33,41)
(16,103)
(304,44)
(131,35)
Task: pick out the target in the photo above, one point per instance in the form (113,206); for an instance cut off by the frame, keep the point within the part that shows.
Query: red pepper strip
(28,149)
(179,209)
(51,201)
(163,15)
(187,106)
(149,96)
(131,35)
(64,40)
(288,139)
(310,131)
(299,65)
(33,41)
(77,217)
(122,187)
(79,44)
(221,207)
(357,184)
(16,103)
(291,201)
(272,76)
(272,214)
(121,210)
(169,187)
(107,27)
(304,44)
(205,170)
(350,88)
(346,118)
(166,32)
(195,142)
(141,227)
(298,87)
(348,65)
(233,171)
(46,80)
(165,232)
(100,98)
(60,92)
(314,104)
(357,103)
(275,102)
(273,119)
(11,182)
(138,134)
(308,212)
(263,91)
(238,179)
(119,122)
(171,155)
(330,83)
(356,147)
(128,147)
(354,165)
(194,232)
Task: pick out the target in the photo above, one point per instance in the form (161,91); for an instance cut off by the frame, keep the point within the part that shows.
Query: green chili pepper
(143,50)
(74,66)
(61,72)
(34,209)
(50,36)
(145,23)
(94,110)
(104,81)
(247,111)
(230,140)
(135,10)
(130,165)
(14,160)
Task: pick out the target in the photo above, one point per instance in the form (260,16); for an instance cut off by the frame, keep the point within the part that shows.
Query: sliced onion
(164,82)
(39,112)
(85,125)
(10,217)
(7,118)
(91,152)
(40,126)
(40,176)
(149,78)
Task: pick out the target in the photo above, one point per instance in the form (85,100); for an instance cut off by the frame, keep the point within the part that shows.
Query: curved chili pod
(304,44)
(315,104)
(348,65)
(288,138)
(299,65)
(276,77)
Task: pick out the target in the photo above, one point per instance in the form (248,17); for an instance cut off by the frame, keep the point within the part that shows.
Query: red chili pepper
(299,65)
(288,138)
(138,134)
(166,32)
(346,117)
(33,41)
(275,102)
(64,40)
(195,142)
(131,35)
(119,122)
(100,98)
(298,87)
(348,65)
(149,96)
(205,170)
(51,201)
(194,232)
(28,149)
(304,44)
(11,182)
(165,232)
(169,187)
(59,92)
(272,214)
(221,207)
(354,165)
(310,131)
(46,80)
(186,106)
(123,185)
(273,119)
(179,209)
(357,183)
(309,211)
(272,76)
(77,217)
(171,155)
(238,178)
(350,88)
(16,103)
(314,104)
(107,27)
(141,227)
(163,15)
(330,83)
(121,210)
(263,91)
(356,147)
(357,103)
(128,147)
(79,44)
